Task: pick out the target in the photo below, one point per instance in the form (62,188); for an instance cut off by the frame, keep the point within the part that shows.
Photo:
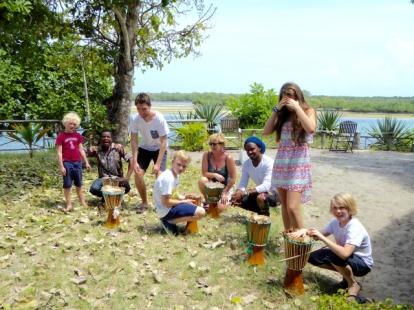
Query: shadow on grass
(151,228)
(326,284)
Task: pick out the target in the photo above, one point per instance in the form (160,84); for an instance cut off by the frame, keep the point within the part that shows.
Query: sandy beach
(383,185)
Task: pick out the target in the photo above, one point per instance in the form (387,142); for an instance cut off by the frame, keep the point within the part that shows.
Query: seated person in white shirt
(259,168)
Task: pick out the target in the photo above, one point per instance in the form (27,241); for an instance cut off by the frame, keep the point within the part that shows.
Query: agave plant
(211,112)
(329,120)
(28,134)
(389,133)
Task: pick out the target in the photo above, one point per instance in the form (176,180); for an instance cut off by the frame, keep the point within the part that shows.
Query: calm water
(170,110)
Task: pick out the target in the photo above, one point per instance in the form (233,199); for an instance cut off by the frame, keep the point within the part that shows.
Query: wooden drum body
(212,193)
(297,252)
(113,196)
(192,226)
(257,228)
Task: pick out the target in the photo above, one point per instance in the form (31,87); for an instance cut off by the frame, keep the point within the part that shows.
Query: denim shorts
(326,256)
(73,174)
(180,210)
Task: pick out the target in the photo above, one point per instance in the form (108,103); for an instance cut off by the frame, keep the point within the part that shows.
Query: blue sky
(335,48)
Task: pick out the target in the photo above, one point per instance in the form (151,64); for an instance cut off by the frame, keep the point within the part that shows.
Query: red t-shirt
(70,145)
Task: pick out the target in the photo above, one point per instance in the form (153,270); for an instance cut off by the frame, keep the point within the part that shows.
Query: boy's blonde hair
(71,116)
(217,138)
(182,155)
(345,200)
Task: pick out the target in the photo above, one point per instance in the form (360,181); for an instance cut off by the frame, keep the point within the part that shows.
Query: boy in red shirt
(70,154)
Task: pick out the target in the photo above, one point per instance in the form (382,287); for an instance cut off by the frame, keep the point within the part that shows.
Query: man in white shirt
(153,145)
(259,168)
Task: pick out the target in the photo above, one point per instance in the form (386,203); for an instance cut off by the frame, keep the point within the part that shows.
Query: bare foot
(353,291)
(142,208)
(67,209)
(298,233)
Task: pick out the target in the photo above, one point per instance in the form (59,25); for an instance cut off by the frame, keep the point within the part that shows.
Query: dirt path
(383,185)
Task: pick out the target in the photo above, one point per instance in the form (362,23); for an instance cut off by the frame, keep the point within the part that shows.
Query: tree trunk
(119,105)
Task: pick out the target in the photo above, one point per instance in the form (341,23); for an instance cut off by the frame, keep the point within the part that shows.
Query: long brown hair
(298,133)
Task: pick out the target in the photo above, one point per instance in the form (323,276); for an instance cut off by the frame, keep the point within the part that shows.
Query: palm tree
(28,134)
(389,133)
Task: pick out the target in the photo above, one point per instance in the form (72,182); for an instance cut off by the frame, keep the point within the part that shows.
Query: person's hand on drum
(190,201)
(218,177)
(314,233)
(225,198)
(237,197)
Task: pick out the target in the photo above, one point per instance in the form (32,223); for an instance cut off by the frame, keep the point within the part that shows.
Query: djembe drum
(192,226)
(113,198)
(297,251)
(212,192)
(257,227)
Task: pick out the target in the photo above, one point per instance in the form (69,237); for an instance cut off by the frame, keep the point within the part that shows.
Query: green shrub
(255,108)
(328,120)
(338,301)
(193,136)
(211,112)
(390,134)
(28,134)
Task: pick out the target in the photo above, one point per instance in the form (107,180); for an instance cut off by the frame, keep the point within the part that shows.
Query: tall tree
(42,62)
(137,33)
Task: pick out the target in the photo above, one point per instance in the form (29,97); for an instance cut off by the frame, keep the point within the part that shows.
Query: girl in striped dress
(294,122)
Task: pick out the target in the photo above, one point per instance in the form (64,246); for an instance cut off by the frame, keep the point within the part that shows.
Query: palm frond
(28,134)
(329,120)
(389,133)
(211,112)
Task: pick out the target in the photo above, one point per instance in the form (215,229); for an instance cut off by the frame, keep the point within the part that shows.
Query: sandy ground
(383,185)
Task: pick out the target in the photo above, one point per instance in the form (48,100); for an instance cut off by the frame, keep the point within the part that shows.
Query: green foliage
(28,134)
(390,134)
(44,79)
(328,120)
(194,97)
(193,136)
(211,112)
(338,301)
(253,109)
(16,177)
(365,104)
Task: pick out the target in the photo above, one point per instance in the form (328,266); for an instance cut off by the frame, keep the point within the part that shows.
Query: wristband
(275,109)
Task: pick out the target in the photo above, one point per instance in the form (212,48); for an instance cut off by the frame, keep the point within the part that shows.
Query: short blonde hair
(217,138)
(71,116)
(182,155)
(345,200)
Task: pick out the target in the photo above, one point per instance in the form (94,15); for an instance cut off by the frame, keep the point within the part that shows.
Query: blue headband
(258,142)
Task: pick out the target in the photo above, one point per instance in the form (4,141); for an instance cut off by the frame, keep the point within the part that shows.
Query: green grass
(44,254)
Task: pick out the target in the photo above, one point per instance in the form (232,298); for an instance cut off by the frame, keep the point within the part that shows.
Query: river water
(170,109)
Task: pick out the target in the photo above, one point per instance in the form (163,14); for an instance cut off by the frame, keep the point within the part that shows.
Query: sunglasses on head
(216,143)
